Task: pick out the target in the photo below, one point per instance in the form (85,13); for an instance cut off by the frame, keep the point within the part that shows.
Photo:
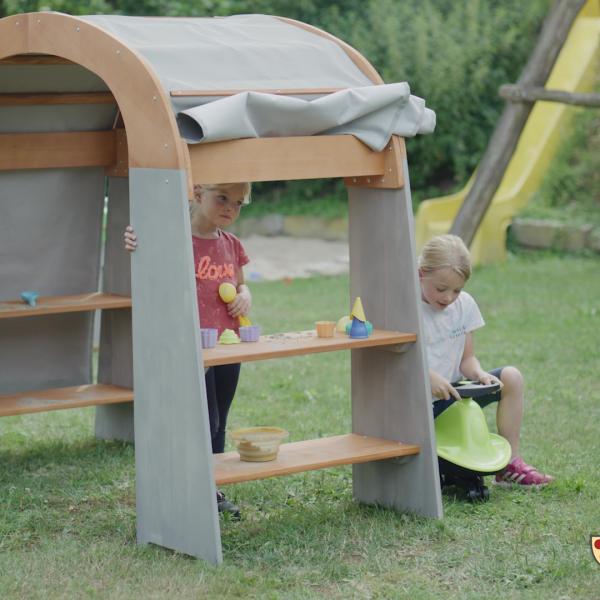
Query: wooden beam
(279,92)
(519,93)
(508,130)
(57,98)
(274,159)
(56,150)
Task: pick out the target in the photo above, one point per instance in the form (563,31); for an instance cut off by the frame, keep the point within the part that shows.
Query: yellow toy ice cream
(227,293)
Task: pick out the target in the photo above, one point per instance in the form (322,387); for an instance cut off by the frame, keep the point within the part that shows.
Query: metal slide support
(391,392)
(176,494)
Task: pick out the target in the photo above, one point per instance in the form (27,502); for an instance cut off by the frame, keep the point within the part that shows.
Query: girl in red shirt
(219,257)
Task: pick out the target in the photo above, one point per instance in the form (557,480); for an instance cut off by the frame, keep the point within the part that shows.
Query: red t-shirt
(216,261)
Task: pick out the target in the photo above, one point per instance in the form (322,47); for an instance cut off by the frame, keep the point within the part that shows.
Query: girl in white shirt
(450,315)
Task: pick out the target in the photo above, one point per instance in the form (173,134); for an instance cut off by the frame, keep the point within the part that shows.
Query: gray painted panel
(176,502)
(49,243)
(48,78)
(45,352)
(390,392)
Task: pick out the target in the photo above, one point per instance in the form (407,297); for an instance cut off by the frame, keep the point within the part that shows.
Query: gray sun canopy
(258,52)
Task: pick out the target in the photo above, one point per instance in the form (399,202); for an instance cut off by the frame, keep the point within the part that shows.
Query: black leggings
(221,383)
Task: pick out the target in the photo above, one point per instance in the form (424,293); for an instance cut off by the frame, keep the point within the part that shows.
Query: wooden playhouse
(88,109)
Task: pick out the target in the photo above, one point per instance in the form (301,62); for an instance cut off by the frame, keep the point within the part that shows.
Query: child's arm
(130,239)
(243,301)
(470,366)
(441,387)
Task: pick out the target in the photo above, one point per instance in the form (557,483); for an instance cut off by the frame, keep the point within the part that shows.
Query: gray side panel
(116,359)
(390,392)
(176,501)
(50,243)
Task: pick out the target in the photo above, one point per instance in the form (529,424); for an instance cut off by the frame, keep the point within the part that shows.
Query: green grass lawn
(67,501)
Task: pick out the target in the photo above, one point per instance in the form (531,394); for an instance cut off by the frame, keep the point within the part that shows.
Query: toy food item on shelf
(341,324)
(229,337)
(30,298)
(325,329)
(208,336)
(250,333)
(227,293)
(358,327)
(258,444)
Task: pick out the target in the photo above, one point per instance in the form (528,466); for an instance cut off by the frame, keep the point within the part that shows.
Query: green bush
(570,191)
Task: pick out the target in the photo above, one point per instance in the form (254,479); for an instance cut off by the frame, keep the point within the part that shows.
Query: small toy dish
(258,444)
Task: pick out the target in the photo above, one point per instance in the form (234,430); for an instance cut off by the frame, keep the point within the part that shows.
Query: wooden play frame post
(392,442)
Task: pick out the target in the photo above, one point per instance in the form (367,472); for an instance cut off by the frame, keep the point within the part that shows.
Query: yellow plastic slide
(575,71)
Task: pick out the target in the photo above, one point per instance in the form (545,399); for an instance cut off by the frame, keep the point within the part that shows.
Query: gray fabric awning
(372,114)
(259,52)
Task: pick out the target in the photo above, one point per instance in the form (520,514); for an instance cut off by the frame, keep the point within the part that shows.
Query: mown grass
(67,501)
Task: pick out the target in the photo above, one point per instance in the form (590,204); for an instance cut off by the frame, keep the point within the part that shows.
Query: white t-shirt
(445,332)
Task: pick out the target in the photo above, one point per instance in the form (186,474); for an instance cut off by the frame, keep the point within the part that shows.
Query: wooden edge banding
(279,92)
(153,136)
(393,175)
(355,56)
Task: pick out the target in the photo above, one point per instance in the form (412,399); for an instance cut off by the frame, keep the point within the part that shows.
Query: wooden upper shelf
(298,343)
(47,305)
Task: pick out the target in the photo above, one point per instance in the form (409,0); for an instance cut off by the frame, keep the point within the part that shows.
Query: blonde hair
(210,187)
(446,251)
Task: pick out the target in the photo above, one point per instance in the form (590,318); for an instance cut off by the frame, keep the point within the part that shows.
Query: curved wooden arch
(152,133)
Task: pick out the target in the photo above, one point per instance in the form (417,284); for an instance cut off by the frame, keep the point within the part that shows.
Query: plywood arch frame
(152,133)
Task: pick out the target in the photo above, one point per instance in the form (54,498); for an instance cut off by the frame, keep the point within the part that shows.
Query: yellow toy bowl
(258,444)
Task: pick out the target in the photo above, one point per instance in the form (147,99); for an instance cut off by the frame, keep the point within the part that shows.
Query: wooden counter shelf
(280,345)
(309,455)
(59,398)
(47,305)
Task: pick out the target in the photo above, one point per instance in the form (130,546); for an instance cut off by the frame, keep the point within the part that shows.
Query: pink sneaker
(518,472)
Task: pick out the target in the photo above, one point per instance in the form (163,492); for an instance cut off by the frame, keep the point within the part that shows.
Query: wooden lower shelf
(309,455)
(47,305)
(59,398)
(299,342)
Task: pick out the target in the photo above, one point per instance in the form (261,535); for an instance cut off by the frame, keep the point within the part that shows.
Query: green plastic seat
(463,438)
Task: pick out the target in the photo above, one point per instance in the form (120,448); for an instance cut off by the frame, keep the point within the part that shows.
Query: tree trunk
(514,116)
(517,93)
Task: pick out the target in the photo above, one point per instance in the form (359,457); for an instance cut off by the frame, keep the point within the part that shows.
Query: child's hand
(241,304)
(130,239)
(441,388)
(488,379)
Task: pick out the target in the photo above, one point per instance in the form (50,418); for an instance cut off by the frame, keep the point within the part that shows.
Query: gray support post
(176,494)
(115,365)
(390,391)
